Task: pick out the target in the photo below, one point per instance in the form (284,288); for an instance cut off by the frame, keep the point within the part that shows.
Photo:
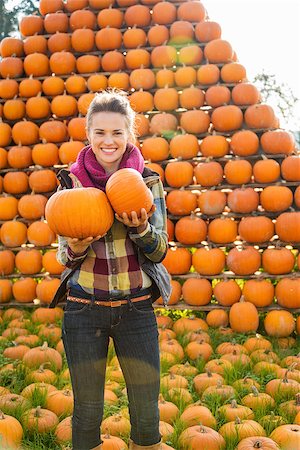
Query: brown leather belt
(111,303)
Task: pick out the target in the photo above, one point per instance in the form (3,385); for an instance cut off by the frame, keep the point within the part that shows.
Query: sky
(266,36)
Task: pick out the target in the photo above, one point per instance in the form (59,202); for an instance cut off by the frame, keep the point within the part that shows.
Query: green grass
(37,441)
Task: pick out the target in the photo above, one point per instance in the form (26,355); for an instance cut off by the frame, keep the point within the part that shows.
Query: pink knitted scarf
(91,174)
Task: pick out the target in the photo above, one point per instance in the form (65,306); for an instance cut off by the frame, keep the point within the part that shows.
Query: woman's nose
(108,139)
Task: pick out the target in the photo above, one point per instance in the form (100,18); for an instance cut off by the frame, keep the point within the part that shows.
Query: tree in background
(280,96)
(10,13)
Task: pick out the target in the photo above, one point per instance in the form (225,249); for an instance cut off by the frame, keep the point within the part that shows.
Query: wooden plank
(211,307)
(230,275)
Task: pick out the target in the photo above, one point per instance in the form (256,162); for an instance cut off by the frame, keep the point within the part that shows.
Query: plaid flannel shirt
(110,266)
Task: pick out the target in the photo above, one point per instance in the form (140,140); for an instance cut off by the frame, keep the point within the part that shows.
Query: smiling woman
(113,279)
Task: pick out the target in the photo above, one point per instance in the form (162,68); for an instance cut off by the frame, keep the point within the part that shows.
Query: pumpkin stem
(161,399)
(44,346)
(292,366)
(246,378)
(41,369)
(257,444)
(2,416)
(67,392)
(237,421)
(233,404)
(285,378)
(107,435)
(297,399)
(255,391)
(37,412)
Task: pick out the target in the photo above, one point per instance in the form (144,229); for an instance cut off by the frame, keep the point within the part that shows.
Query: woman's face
(108,137)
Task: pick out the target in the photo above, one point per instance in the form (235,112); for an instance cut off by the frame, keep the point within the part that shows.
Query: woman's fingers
(132,219)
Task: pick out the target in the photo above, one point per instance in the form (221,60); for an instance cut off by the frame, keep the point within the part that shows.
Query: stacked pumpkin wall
(230,173)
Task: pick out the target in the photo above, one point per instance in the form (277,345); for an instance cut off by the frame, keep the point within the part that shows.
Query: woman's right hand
(80,245)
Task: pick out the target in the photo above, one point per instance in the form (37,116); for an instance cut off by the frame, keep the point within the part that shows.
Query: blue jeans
(86,332)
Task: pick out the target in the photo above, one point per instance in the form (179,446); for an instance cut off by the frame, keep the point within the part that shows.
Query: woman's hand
(132,220)
(80,245)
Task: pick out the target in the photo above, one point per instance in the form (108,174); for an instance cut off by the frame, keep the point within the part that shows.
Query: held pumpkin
(79,213)
(127,192)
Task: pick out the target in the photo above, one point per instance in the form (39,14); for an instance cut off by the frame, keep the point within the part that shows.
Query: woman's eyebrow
(100,129)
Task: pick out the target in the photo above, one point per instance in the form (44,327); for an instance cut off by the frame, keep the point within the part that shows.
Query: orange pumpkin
(208,261)
(266,171)
(218,51)
(290,168)
(256,229)
(243,317)
(209,173)
(195,121)
(276,198)
(32,207)
(179,174)
(178,260)
(277,141)
(278,261)
(59,42)
(217,96)
(208,74)
(279,323)
(197,291)
(212,202)
(40,234)
(259,292)
(181,203)
(200,436)
(7,262)
(216,146)
(287,292)
(134,38)
(13,233)
(287,226)
(259,116)
(238,171)
(243,200)
(207,30)
(190,230)
(243,261)
(234,72)
(158,35)
(184,146)
(19,157)
(227,118)
(222,230)
(181,32)
(94,202)
(244,143)
(127,192)
(245,94)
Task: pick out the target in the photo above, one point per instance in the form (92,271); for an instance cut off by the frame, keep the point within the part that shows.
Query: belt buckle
(115,303)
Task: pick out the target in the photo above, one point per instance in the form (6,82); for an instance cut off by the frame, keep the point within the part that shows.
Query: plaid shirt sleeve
(154,240)
(65,255)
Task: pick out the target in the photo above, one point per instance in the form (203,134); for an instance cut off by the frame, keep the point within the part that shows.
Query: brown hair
(116,101)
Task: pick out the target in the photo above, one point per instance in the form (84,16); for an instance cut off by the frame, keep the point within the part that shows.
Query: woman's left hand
(132,220)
